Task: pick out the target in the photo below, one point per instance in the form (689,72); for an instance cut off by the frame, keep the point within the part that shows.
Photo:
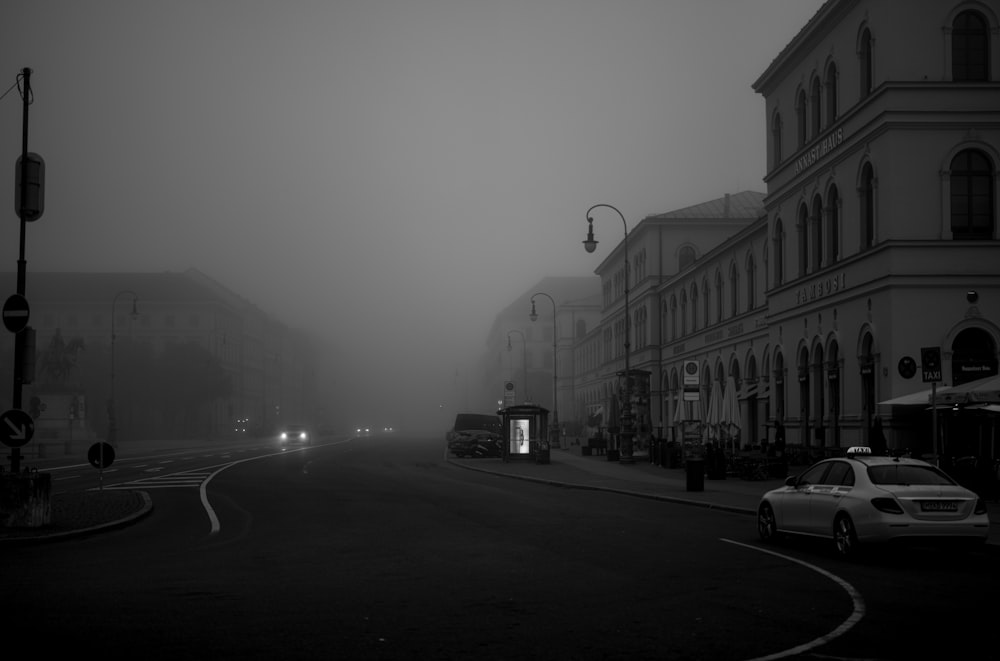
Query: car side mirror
(791,480)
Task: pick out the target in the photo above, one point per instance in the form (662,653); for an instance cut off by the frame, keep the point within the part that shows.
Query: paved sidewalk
(643,479)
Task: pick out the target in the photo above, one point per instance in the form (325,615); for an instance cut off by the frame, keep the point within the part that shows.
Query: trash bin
(695,474)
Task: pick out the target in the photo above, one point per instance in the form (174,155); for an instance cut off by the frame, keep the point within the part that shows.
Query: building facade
(875,241)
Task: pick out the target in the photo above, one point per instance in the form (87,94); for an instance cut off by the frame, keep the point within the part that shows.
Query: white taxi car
(863,498)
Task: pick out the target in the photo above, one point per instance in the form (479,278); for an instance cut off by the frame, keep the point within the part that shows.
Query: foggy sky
(387,173)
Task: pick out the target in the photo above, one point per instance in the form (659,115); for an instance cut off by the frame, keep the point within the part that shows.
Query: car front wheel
(767,528)
(845,538)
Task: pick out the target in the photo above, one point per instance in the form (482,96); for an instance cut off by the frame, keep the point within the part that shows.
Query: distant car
(294,435)
(865,499)
(475,435)
(364,431)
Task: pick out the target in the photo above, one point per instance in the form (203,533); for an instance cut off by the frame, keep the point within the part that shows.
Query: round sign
(101,455)
(907,367)
(691,367)
(509,385)
(15,313)
(16,428)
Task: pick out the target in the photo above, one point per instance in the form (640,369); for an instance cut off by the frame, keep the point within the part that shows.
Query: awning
(922,398)
(982,391)
(992,408)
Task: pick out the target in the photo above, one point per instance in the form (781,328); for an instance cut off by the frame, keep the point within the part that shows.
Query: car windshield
(907,474)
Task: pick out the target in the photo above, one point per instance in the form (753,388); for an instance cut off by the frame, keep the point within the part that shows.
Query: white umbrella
(730,414)
(713,417)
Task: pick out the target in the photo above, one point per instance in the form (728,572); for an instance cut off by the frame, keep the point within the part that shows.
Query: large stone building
(876,239)
(98,336)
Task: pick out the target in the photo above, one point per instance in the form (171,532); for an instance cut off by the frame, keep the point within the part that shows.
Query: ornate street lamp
(554,426)
(524,360)
(112,413)
(628,431)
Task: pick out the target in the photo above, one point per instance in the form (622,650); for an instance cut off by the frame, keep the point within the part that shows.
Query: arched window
(686,257)
(972,196)
(831,94)
(817,233)
(684,312)
(867,207)
(803,228)
(734,290)
(708,302)
(718,296)
(751,283)
(673,318)
(815,104)
(800,118)
(694,306)
(867,70)
(833,226)
(779,253)
(776,140)
(970,48)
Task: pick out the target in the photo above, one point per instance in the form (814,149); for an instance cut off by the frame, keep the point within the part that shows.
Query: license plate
(938,506)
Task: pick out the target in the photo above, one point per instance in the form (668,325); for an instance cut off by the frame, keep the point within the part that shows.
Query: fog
(384,174)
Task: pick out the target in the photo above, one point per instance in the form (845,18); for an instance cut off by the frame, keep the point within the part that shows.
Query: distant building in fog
(262,363)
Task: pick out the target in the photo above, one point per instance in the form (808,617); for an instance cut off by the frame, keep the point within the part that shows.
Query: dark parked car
(475,435)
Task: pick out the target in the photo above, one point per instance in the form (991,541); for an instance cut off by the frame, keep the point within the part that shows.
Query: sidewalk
(568,468)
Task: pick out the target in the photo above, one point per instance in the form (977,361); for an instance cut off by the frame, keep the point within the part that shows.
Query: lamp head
(590,244)
(534,315)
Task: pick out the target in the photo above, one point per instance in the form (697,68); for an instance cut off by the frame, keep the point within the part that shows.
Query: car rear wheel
(767,527)
(845,538)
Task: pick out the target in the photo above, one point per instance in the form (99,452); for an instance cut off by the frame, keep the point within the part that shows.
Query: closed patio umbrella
(730,414)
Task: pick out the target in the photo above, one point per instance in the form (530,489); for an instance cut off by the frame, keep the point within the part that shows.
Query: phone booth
(526,433)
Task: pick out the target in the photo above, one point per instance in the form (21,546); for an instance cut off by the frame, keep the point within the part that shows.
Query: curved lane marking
(203,489)
(855,616)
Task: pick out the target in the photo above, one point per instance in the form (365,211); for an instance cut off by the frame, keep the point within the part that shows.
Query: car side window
(840,474)
(814,475)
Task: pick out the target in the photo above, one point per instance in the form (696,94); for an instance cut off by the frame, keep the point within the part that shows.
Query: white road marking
(855,616)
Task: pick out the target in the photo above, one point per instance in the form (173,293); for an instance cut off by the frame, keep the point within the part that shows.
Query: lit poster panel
(519,435)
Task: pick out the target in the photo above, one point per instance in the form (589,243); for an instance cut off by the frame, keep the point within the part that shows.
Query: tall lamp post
(628,431)
(112,413)
(554,426)
(524,360)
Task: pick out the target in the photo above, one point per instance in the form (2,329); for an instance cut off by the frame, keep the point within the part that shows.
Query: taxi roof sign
(859,449)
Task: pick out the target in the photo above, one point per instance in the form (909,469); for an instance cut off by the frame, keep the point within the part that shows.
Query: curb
(144,511)
(625,492)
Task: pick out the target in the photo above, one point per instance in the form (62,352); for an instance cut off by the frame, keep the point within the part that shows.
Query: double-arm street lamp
(628,431)
(524,360)
(554,426)
(112,413)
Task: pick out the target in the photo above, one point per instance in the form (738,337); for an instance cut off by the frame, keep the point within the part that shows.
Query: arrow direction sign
(15,313)
(16,428)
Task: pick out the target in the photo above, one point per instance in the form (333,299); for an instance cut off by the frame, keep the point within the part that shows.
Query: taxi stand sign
(692,381)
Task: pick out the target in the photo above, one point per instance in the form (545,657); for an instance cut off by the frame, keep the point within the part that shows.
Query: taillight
(887,505)
(980,506)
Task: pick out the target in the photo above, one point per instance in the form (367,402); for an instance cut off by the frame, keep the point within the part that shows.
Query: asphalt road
(379,549)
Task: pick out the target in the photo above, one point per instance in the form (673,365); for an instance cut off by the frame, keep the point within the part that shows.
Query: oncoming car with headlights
(864,499)
(293,435)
